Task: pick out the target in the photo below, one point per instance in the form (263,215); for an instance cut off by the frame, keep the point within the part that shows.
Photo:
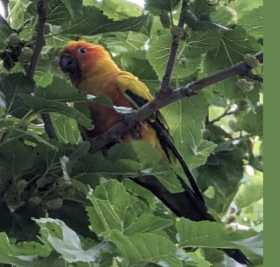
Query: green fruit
(245,85)
(54,204)
(13,40)
(251,60)
(26,54)
(177,32)
(21,185)
(35,201)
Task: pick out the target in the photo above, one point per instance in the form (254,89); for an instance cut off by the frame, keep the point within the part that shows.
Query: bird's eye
(82,50)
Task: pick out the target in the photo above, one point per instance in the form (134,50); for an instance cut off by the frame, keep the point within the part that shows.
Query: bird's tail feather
(185,204)
(190,203)
(167,142)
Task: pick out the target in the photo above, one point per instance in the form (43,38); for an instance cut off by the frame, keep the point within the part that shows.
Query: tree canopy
(64,202)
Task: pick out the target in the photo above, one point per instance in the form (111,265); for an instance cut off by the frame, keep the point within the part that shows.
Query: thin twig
(162,100)
(176,36)
(227,112)
(42,9)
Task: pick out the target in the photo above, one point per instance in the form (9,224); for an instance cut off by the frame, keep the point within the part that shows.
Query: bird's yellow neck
(98,79)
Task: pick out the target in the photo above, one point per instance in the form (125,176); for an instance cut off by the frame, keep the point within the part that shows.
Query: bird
(93,71)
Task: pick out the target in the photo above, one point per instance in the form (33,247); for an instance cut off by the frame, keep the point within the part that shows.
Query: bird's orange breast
(104,118)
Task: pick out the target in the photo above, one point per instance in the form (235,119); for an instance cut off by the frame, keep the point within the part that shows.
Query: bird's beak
(69,64)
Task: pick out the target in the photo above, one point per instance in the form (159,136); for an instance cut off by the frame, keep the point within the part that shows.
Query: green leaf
(66,129)
(253,214)
(224,15)
(250,191)
(140,192)
(102,167)
(43,79)
(201,42)
(207,234)
(223,171)
(245,7)
(157,6)
(116,10)
(89,20)
(120,43)
(137,24)
(21,253)
(114,208)
(147,223)
(253,22)
(52,260)
(144,248)
(159,51)
(72,6)
(17,12)
(233,46)
(68,245)
(36,137)
(59,90)
(197,260)
(202,8)
(186,121)
(109,206)
(139,66)
(143,159)
(17,157)
(40,104)
(5,31)
(12,86)
(253,244)
(251,121)
(141,151)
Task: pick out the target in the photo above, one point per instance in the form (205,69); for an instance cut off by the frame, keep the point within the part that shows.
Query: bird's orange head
(79,58)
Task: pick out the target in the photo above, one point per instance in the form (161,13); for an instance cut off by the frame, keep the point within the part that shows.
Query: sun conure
(93,71)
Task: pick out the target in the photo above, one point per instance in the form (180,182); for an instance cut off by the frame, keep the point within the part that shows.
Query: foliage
(62,205)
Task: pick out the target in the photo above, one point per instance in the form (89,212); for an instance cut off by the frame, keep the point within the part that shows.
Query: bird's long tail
(185,204)
(189,203)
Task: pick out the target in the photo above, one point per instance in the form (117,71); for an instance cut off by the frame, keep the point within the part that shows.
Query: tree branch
(162,100)
(176,36)
(42,9)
